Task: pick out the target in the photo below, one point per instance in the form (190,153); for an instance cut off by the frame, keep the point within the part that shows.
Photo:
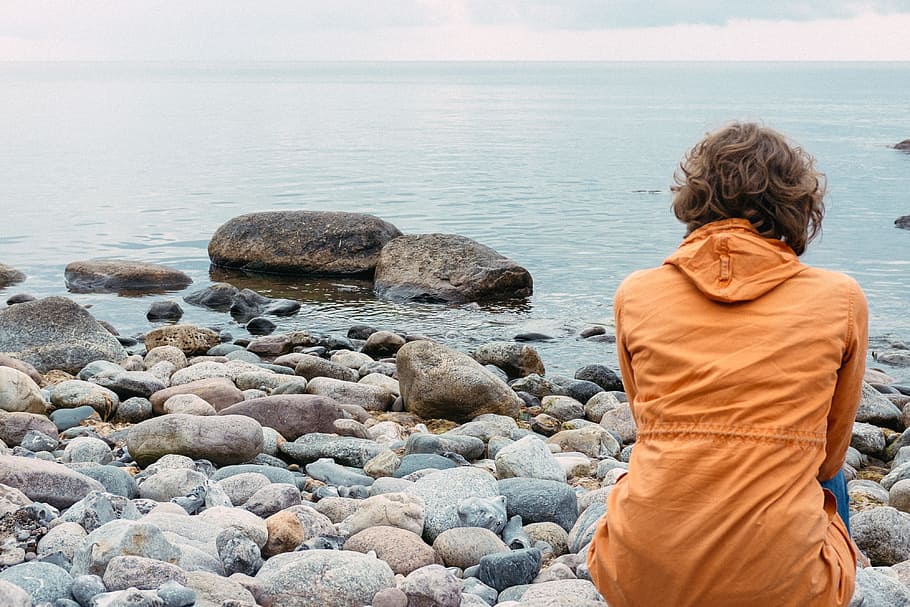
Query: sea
(563,167)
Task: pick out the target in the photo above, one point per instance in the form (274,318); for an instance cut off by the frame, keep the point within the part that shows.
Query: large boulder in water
(438,382)
(9,276)
(56,333)
(302,242)
(120,275)
(447,268)
(903,222)
(903,146)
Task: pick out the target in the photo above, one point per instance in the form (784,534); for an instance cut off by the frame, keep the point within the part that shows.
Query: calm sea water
(563,167)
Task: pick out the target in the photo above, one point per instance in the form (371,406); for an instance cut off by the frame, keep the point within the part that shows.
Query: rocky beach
(373,466)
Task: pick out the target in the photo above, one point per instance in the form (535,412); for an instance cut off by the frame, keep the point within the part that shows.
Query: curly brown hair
(751,172)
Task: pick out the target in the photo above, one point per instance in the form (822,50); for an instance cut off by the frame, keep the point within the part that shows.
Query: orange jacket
(744,369)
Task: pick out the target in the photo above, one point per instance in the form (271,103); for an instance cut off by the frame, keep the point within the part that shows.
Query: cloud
(619,14)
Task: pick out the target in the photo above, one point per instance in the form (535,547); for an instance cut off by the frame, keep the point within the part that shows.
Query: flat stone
(469,447)
(46,482)
(344,450)
(298,579)
(101,276)
(186,338)
(223,440)
(292,415)
(311,367)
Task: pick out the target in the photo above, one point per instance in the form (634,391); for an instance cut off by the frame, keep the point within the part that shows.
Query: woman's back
(744,369)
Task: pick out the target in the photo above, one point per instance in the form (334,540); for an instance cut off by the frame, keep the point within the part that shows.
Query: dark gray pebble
(601,375)
(164,310)
(420,461)
(505,569)
(260,326)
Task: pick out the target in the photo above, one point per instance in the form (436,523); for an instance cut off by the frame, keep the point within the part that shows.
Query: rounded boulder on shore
(221,439)
(301,242)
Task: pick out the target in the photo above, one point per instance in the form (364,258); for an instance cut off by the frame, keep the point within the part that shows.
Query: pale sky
(415,30)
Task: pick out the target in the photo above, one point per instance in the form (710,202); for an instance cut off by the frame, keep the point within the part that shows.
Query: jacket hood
(729,261)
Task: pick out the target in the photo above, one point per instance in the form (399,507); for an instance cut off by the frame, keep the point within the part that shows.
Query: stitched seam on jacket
(772,434)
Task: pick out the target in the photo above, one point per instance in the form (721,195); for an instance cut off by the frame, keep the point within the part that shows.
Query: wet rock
(601,375)
(292,415)
(447,268)
(516,359)
(298,579)
(263,326)
(9,276)
(437,381)
(903,222)
(164,310)
(227,439)
(895,357)
(122,276)
(47,482)
(56,333)
(186,338)
(301,242)
(220,392)
(381,344)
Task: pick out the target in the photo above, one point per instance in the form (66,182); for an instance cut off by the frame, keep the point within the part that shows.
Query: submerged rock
(301,242)
(9,276)
(447,268)
(119,275)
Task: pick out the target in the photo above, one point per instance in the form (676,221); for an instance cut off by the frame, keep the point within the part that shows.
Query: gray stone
(174,594)
(228,439)
(9,276)
(442,492)
(537,385)
(422,461)
(14,426)
(539,500)
(188,404)
(64,419)
(619,421)
(87,449)
(899,473)
(531,458)
(343,449)
(298,579)
(272,498)
(875,409)
(438,382)
(486,512)
(238,553)
(133,410)
(165,485)
(131,597)
(867,438)
(65,538)
(371,398)
(74,393)
(601,375)
(447,268)
(38,441)
(56,333)
(327,471)
(563,408)
(592,441)
(87,587)
(506,569)
(883,534)
(311,367)
(468,447)
(213,590)
(485,427)
(581,533)
(98,508)
(899,495)
(517,360)
(432,586)
(124,572)
(121,538)
(275,475)
(44,582)
(44,481)
(876,589)
(127,384)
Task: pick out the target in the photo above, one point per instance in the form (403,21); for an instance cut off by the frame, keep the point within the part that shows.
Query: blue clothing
(838,486)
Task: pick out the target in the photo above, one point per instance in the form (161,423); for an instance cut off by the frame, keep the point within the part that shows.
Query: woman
(744,369)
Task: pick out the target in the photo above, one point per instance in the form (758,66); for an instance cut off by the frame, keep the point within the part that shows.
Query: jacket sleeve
(622,351)
(848,390)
